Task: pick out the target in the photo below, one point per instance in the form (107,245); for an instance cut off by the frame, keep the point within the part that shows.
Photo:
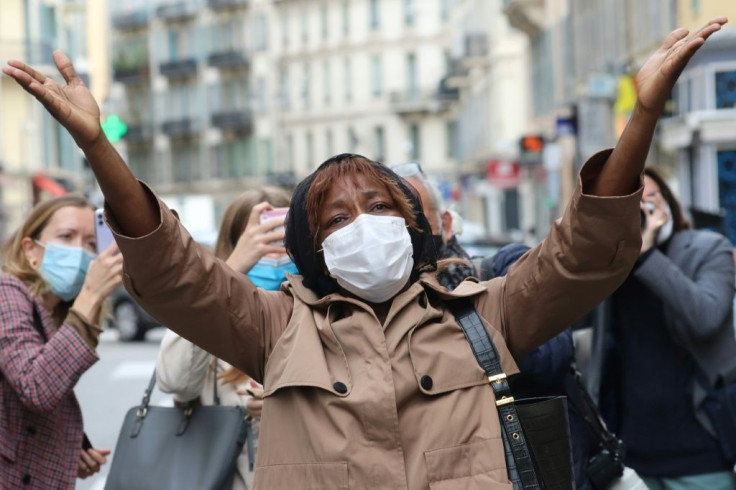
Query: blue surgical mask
(64,269)
(270,273)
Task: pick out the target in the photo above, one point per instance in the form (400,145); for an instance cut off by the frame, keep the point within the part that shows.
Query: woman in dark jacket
(669,339)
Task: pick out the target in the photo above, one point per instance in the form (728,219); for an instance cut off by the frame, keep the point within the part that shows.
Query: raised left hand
(659,74)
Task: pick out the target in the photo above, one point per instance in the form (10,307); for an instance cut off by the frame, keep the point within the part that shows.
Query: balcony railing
(180,128)
(130,74)
(227,4)
(240,121)
(130,20)
(232,60)
(422,102)
(178,68)
(138,132)
(177,11)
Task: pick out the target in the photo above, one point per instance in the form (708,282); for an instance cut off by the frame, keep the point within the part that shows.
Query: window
(185,162)
(324,21)
(285,29)
(379,144)
(305,25)
(726,89)
(352,140)
(451,136)
(410,12)
(284,86)
(348,80)
(306,85)
(326,82)
(228,159)
(345,18)
(290,150)
(260,33)
(329,143)
(415,142)
(374,15)
(411,74)
(376,76)
(310,150)
(444,9)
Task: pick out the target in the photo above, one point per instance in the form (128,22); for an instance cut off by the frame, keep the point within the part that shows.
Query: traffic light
(531,148)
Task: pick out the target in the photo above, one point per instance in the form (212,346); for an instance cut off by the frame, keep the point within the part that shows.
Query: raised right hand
(71,104)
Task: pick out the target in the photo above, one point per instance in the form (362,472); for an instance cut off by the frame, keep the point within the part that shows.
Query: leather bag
(535,431)
(191,447)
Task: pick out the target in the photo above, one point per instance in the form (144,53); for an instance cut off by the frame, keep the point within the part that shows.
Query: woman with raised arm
(369,381)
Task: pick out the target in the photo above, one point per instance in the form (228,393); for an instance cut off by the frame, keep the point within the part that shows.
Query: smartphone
(273,214)
(104,235)
(85,442)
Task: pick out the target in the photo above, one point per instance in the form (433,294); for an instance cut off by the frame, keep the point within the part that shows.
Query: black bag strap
(583,404)
(215,395)
(487,356)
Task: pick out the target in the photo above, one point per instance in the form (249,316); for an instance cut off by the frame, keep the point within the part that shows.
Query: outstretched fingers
(25,71)
(66,68)
(674,37)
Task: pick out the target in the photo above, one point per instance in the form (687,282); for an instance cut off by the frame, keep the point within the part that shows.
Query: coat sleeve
(586,255)
(181,367)
(183,286)
(700,304)
(42,374)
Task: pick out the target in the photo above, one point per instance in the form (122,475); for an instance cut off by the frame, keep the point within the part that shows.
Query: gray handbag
(192,447)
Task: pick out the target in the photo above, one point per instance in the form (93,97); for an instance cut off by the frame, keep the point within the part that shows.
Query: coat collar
(427,281)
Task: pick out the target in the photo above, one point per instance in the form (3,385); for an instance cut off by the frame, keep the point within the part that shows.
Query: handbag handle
(487,356)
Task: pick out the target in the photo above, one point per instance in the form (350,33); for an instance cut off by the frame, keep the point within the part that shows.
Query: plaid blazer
(40,419)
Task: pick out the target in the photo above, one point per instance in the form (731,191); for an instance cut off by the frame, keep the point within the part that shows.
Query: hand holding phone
(274,213)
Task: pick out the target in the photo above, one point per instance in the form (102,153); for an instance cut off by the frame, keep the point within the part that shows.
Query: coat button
(340,387)
(26,479)
(426,382)
(31,430)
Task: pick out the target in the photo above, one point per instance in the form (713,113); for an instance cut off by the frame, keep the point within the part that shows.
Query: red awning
(47,184)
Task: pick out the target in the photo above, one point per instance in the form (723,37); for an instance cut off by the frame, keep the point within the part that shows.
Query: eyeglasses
(407,169)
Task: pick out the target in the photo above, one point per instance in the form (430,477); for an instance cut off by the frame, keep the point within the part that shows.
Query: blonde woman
(51,291)
(188,371)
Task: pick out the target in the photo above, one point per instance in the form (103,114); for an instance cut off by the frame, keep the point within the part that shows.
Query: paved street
(111,387)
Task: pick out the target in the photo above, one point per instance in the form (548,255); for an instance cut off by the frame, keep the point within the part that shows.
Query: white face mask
(371,257)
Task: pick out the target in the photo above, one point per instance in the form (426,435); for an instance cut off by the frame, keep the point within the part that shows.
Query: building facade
(224,95)
(36,154)
(701,132)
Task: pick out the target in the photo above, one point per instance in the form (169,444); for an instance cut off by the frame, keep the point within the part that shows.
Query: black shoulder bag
(607,464)
(535,431)
(192,447)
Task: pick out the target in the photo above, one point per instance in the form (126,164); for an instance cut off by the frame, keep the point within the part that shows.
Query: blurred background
(500,101)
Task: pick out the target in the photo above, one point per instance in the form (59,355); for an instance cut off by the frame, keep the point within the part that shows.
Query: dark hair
(679,221)
(302,228)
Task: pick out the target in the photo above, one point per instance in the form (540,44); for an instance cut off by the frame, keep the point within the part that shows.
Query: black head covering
(300,243)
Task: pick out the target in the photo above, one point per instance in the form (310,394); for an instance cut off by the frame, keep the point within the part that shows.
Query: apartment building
(700,133)
(37,157)
(584,56)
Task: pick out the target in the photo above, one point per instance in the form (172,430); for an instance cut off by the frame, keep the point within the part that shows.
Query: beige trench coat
(345,406)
